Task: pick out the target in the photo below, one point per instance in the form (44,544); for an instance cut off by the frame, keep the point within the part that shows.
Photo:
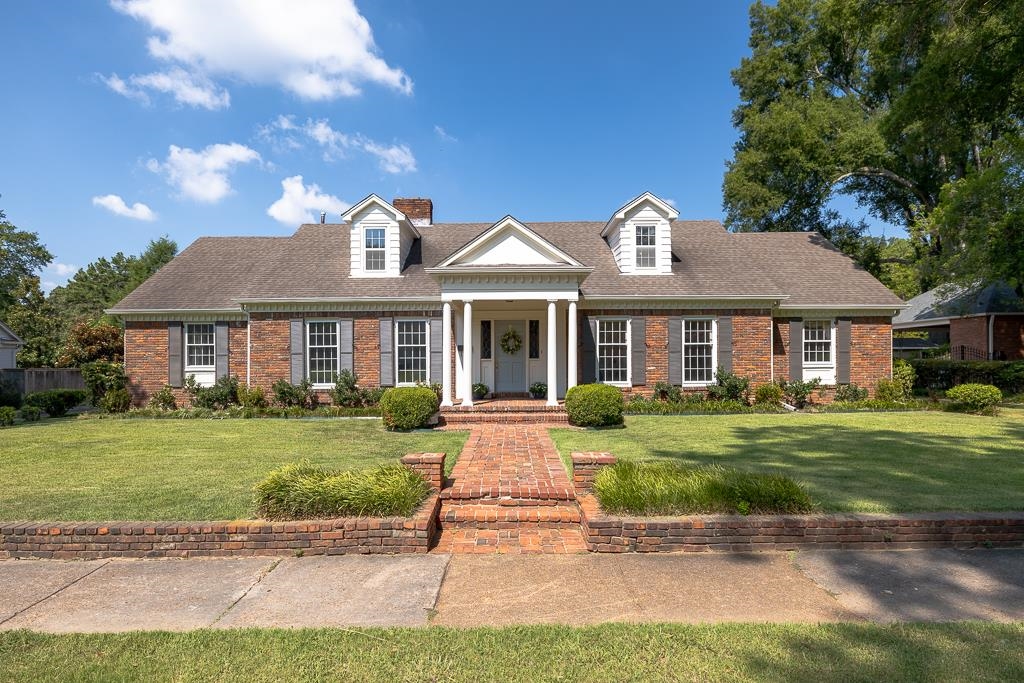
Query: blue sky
(131,120)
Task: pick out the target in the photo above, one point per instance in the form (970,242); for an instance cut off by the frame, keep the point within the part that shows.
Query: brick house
(638,299)
(978,324)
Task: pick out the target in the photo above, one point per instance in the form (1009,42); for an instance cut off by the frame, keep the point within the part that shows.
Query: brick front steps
(504,411)
(508,514)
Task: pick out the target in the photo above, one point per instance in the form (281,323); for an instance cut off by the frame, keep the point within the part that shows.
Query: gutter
(991,336)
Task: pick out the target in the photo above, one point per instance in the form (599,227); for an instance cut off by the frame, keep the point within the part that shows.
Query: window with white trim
(818,343)
(699,340)
(613,351)
(411,351)
(322,351)
(200,347)
(646,255)
(374,256)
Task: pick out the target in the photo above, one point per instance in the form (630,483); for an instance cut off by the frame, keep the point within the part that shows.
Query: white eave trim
(165,311)
(620,215)
(337,300)
(926,322)
(686,297)
(498,226)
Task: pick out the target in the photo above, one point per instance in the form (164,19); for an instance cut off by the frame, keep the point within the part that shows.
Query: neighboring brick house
(978,324)
(639,299)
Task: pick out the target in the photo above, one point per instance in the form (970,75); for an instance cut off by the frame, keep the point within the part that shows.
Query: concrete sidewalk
(461,590)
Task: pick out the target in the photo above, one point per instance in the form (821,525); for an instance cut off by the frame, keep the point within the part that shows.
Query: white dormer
(380,238)
(640,236)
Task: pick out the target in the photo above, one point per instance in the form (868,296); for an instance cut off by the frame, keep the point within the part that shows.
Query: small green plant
(663,391)
(768,395)
(889,391)
(291,395)
(163,399)
(847,393)
(346,390)
(303,490)
(9,394)
(408,407)
(31,413)
(539,390)
(729,386)
(974,398)
(56,402)
(594,405)
(116,401)
(904,376)
(102,376)
(7,414)
(480,390)
(221,395)
(251,397)
(798,393)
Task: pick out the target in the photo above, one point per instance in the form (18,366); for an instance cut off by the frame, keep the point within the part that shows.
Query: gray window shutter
(436,350)
(387,352)
(675,350)
(298,350)
(638,350)
(175,364)
(725,342)
(843,334)
(345,344)
(221,346)
(796,350)
(588,349)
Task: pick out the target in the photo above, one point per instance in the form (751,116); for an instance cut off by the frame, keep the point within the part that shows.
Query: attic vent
(323,217)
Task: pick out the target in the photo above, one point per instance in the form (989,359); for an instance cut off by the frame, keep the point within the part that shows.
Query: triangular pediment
(509,243)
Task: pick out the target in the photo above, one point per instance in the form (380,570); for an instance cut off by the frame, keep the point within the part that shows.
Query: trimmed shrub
(847,393)
(945,374)
(7,416)
(251,397)
(408,407)
(904,376)
(768,395)
(869,405)
(974,398)
(890,391)
(638,405)
(116,401)
(730,387)
(303,490)
(56,402)
(163,399)
(798,393)
(594,405)
(346,390)
(31,413)
(660,488)
(480,390)
(666,392)
(102,376)
(9,394)
(291,395)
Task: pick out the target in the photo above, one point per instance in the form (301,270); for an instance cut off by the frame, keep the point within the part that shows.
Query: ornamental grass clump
(302,490)
(659,488)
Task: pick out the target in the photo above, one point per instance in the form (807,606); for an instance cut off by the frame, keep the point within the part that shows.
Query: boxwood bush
(30,413)
(7,414)
(56,402)
(408,407)
(769,394)
(974,398)
(594,405)
(306,491)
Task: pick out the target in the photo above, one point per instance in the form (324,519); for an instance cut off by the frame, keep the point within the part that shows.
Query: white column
(467,353)
(446,354)
(552,350)
(570,363)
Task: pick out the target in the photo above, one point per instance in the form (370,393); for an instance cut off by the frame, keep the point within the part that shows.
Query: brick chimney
(418,210)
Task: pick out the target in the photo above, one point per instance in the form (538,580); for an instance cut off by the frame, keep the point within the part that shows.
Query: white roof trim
(9,332)
(374,199)
(532,238)
(620,214)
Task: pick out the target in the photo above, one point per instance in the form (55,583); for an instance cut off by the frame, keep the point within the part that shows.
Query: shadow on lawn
(861,468)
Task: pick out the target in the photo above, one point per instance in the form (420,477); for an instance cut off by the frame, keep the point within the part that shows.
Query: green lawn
(614,652)
(141,469)
(865,462)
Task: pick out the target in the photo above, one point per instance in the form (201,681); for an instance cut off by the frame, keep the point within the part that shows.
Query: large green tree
(32,318)
(21,256)
(886,102)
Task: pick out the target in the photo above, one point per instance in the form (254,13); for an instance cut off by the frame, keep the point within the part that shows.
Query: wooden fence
(30,380)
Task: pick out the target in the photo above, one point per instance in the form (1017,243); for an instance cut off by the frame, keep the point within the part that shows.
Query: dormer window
(375,258)
(646,256)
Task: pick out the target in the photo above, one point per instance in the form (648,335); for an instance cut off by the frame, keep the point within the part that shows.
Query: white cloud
(284,133)
(671,202)
(64,269)
(444,135)
(298,202)
(203,175)
(392,158)
(115,205)
(315,49)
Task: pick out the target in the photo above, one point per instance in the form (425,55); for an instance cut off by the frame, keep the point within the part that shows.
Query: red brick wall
(970,332)
(1008,337)
(271,349)
(145,358)
(751,346)
(366,354)
(236,349)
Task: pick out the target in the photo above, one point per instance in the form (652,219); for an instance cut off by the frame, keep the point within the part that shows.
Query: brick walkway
(510,494)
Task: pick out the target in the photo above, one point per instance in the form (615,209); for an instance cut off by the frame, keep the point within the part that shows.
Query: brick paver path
(510,494)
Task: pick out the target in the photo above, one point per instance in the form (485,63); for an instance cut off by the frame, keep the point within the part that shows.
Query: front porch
(505,410)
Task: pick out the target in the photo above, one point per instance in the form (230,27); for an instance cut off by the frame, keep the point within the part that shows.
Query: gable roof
(620,214)
(954,301)
(7,336)
(542,247)
(216,273)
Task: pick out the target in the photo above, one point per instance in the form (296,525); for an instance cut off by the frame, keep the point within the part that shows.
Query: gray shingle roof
(952,301)
(708,261)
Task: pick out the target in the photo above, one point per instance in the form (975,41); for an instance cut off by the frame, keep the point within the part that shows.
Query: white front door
(509,369)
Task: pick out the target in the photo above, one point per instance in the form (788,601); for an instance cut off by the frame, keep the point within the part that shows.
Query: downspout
(248,349)
(771,345)
(991,336)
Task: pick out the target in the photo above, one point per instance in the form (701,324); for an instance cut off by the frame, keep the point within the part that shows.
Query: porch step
(510,494)
(469,416)
(474,515)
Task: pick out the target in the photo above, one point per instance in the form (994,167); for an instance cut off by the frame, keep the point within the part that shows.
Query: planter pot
(478,395)
(538,396)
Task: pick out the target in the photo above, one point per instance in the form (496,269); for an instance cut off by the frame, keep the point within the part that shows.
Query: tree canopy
(21,256)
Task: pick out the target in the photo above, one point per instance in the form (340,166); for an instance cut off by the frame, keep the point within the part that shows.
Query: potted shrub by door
(539,390)
(480,390)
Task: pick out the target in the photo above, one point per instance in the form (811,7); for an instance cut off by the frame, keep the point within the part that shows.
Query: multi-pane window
(818,342)
(411,351)
(199,346)
(612,351)
(698,351)
(373,249)
(646,257)
(485,339)
(322,351)
(534,339)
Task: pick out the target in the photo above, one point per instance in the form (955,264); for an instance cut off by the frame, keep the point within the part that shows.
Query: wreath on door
(511,342)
